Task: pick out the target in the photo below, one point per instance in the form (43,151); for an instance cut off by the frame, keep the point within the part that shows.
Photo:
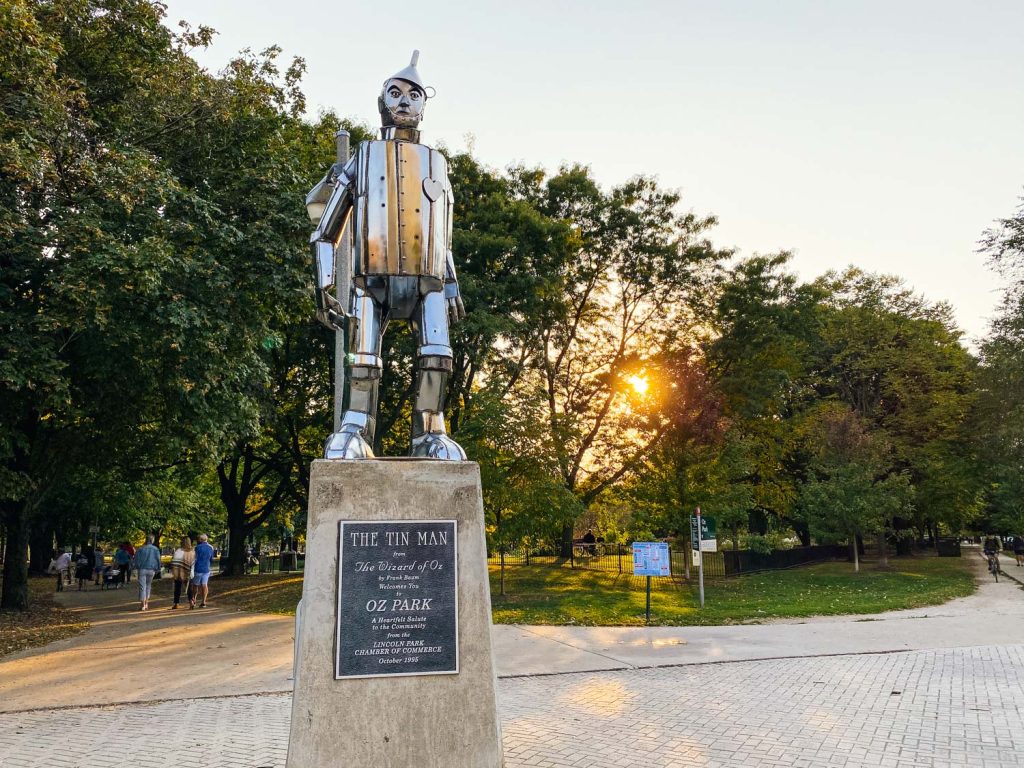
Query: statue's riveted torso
(402,211)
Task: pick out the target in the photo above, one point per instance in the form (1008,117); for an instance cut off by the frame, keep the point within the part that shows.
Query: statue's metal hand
(329,310)
(452,294)
(456,309)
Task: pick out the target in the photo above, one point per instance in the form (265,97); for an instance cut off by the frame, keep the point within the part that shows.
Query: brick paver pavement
(953,707)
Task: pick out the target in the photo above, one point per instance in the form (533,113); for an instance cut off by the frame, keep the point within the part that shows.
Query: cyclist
(991,550)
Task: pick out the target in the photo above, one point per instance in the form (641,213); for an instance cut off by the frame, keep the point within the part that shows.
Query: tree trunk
(566,548)
(883,551)
(757,522)
(40,547)
(803,533)
(856,554)
(14,596)
(237,531)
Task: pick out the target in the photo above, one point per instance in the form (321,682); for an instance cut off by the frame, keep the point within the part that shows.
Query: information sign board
(708,541)
(397,599)
(650,558)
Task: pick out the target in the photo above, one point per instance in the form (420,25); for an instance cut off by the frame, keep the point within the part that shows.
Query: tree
(850,491)
(625,298)
(525,503)
(698,463)
(999,419)
(763,362)
(81,221)
(897,361)
(130,309)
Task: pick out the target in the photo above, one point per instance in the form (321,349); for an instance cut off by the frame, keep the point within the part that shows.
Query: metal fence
(615,559)
(618,559)
(746,561)
(266,563)
(517,557)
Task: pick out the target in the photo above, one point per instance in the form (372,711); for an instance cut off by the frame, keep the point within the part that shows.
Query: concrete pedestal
(415,721)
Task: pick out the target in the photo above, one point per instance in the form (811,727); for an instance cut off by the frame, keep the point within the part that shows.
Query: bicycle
(993,565)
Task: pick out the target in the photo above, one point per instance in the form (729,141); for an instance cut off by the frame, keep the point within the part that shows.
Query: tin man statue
(397,191)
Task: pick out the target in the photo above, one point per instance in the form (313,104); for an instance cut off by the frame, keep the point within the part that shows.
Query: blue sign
(650,558)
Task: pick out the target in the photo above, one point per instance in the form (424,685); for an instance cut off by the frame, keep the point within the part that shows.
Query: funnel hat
(410,73)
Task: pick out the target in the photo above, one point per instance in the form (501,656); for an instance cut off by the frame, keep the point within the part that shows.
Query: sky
(881,134)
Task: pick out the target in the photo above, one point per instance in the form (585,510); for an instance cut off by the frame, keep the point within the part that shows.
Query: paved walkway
(1008,565)
(931,687)
(957,707)
(131,656)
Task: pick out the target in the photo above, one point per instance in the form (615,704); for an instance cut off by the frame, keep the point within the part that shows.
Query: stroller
(111,578)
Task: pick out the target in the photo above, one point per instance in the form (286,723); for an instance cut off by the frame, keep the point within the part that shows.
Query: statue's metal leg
(354,438)
(433,365)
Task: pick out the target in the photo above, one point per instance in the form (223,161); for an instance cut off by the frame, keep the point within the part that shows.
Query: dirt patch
(44,622)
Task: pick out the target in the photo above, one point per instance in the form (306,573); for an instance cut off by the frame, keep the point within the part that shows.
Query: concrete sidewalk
(954,708)
(127,656)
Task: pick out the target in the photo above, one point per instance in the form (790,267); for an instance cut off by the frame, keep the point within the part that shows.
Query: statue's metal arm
(329,204)
(452,294)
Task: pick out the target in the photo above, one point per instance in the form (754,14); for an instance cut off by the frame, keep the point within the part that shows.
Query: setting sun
(639,384)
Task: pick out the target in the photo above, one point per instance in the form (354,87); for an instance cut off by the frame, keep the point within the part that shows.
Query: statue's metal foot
(347,443)
(437,445)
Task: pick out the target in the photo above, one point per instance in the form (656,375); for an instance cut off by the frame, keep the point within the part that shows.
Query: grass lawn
(266,593)
(546,594)
(44,622)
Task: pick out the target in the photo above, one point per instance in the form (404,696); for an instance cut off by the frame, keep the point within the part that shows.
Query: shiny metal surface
(403,101)
(410,73)
(402,212)
(395,197)
(343,288)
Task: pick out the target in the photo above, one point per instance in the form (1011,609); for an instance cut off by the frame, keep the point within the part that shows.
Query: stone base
(420,721)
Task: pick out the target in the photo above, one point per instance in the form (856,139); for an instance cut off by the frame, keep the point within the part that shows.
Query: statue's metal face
(402,103)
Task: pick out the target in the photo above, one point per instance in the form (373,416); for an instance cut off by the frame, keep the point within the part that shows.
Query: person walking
(61,565)
(147,563)
(83,570)
(1018,549)
(122,560)
(131,558)
(201,581)
(182,560)
(97,564)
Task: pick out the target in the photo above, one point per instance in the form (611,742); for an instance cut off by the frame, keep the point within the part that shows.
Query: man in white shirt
(62,564)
